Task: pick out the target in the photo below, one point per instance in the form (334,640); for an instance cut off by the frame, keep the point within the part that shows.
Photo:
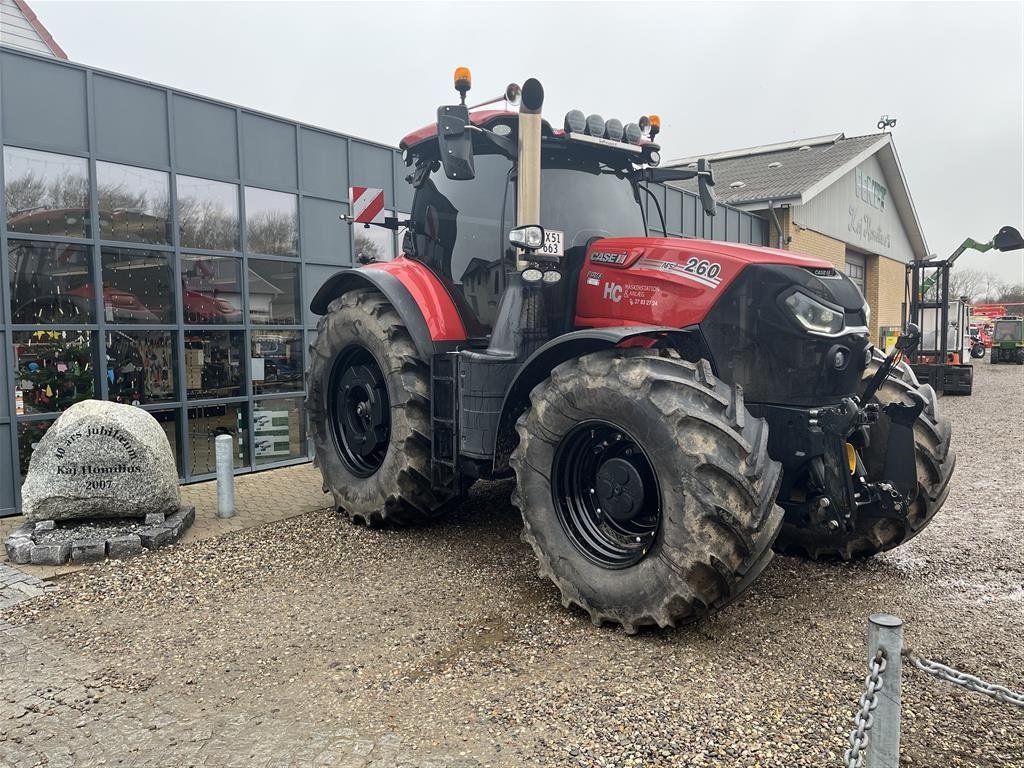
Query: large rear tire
(645,486)
(369,408)
(935,463)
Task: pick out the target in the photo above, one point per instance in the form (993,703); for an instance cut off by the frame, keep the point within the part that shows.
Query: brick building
(843,199)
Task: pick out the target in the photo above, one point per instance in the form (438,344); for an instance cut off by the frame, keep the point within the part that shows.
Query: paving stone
(55,553)
(46,525)
(19,550)
(124,546)
(88,550)
(155,518)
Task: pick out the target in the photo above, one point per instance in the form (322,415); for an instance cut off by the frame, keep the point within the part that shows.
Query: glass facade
(167,258)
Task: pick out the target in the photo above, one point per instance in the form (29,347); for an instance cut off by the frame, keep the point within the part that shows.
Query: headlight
(813,315)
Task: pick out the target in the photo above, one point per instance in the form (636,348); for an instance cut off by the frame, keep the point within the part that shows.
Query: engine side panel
(665,281)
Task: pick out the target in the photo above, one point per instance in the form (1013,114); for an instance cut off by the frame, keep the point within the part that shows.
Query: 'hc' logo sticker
(613,291)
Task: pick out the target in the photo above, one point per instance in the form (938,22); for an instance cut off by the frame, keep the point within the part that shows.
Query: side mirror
(455,141)
(705,181)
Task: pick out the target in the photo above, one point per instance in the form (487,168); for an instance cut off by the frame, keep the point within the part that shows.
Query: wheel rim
(606,494)
(360,411)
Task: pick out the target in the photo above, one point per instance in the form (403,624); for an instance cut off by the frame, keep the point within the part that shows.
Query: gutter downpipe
(778,227)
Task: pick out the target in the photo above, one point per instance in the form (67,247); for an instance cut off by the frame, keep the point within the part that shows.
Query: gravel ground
(446,638)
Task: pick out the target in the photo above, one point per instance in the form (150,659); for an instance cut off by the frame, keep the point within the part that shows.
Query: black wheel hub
(359,410)
(606,494)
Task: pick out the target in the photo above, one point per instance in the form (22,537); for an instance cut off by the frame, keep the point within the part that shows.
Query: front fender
(419,298)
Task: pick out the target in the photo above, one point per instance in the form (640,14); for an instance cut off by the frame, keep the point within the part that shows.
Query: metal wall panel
(269,150)
(44,104)
(205,138)
(324,164)
(371,167)
(131,122)
(325,237)
(7,496)
(314,275)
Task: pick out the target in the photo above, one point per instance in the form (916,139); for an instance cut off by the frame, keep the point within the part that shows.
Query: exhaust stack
(528,201)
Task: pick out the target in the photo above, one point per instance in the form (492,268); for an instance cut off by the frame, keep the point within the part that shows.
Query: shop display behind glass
(279,430)
(205,423)
(211,290)
(53,369)
(213,364)
(51,283)
(276,361)
(138,286)
(141,366)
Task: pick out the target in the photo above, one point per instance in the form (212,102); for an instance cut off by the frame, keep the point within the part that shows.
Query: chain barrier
(970,682)
(863,719)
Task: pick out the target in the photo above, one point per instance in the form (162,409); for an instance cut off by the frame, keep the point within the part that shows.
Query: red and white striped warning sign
(367,204)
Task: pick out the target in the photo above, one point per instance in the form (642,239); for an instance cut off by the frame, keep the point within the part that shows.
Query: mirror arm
(505,144)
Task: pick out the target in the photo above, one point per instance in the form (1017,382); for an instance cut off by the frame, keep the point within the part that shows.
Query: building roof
(21,28)
(794,172)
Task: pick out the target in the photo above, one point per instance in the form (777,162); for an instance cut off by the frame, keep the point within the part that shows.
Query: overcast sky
(722,76)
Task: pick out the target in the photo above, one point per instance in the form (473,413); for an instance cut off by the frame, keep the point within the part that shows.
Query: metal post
(883,751)
(224,450)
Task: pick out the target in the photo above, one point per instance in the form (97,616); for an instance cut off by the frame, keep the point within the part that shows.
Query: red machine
(670,408)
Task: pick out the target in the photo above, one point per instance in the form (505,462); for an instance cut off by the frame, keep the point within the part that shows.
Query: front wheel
(645,486)
(369,411)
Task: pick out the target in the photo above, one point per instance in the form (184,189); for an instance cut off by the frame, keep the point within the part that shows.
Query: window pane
(213,364)
(55,369)
(141,366)
(46,194)
(273,292)
(168,421)
(207,214)
(271,222)
(211,289)
(138,286)
(279,430)
(51,283)
(205,423)
(29,435)
(135,203)
(374,243)
(276,361)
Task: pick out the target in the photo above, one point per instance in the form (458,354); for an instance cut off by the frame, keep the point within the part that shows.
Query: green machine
(1008,340)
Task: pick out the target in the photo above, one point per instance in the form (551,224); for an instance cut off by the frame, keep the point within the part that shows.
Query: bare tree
(964,281)
(993,287)
(272,232)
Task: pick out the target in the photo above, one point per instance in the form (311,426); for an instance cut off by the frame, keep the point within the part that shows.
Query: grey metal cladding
(57,121)
(324,165)
(325,237)
(313,276)
(205,138)
(6,471)
(268,147)
(5,406)
(131,122)
(371,166)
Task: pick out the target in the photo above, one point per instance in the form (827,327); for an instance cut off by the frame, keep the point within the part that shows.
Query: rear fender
(421,300)
(689,342)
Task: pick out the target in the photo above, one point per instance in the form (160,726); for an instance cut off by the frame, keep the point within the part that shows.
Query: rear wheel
(646,489)
(935,462)
(369,409)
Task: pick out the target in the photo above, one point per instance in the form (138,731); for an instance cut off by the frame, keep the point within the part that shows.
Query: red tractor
(670,409)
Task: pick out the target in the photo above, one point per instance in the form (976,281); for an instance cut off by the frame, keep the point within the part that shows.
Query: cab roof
(482,118)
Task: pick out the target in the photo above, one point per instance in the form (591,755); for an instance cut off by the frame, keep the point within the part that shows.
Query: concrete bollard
(224,449)
(883,750)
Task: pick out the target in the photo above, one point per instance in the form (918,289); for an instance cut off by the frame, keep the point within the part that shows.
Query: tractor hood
(789,328)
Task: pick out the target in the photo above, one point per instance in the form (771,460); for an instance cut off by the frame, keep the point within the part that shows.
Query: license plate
(554,243)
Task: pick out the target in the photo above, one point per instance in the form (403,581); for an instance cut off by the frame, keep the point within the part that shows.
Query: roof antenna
(886,122)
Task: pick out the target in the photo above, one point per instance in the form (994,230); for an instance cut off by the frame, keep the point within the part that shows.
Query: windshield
(584,198)
(1008,330)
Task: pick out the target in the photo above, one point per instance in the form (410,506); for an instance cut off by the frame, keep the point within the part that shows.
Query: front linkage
(826,485)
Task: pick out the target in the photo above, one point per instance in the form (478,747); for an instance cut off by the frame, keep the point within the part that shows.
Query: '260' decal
(698,270)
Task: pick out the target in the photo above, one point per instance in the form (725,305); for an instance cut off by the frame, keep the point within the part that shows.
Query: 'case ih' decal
(606,257)
(698,270)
